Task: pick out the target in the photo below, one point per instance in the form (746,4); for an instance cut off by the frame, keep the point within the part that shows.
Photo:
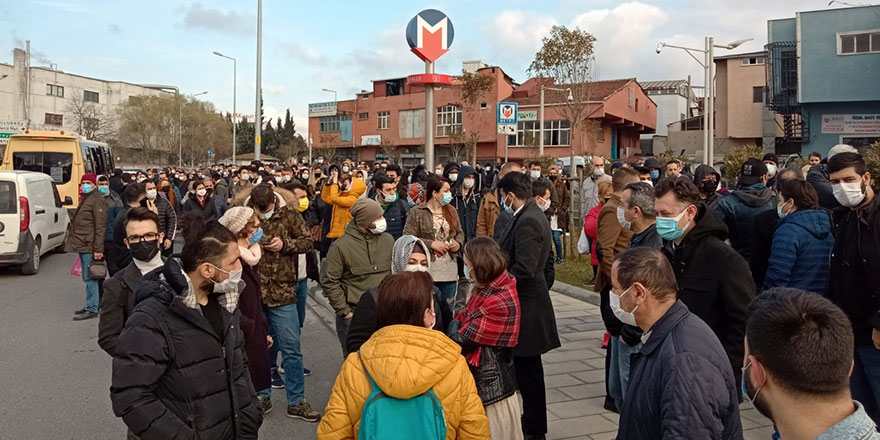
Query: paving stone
(554,395)
(592,376)
(569,355)
(588,326)
(596,362)
(613,417)
(560,380)
(568,321)
(753,415)
(753,434)
(565,367)
(581,335)
(586,425)
(610,435)
(584,391)
(577,408)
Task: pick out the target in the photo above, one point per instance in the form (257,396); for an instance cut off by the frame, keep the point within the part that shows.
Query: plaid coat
(491,317)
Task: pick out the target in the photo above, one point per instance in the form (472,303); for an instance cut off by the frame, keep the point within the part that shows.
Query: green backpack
(386,418)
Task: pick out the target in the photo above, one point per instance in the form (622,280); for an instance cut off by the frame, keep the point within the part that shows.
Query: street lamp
(258,114)
(708,64)
(192,153)
(333,92)
(541,128)
(234,114)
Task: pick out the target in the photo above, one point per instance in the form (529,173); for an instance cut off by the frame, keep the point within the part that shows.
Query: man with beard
(797,366)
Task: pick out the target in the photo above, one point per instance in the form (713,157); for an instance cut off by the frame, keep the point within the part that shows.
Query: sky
(344,44)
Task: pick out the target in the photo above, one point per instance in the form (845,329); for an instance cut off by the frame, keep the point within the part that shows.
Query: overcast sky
(342,45)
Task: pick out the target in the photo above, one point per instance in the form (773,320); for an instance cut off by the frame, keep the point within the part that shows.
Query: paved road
(55,380)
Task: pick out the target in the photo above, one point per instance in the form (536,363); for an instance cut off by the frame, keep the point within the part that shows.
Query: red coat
(591,229)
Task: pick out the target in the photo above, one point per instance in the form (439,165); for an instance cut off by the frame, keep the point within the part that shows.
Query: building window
(752,61)
(483,105)
(556,133)
(330,124)
(600,133)
(637,104)
(859,42)
(631,100)
(411,124)
(363,116)
(55,90)
(757,94)
(448,120)
(90,96)
(53,119)
(384,120)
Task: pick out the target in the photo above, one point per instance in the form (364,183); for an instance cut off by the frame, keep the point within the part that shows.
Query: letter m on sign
(429,34)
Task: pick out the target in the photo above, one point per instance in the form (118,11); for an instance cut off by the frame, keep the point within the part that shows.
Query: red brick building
(394,113)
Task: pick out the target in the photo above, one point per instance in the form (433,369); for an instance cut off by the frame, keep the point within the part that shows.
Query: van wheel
(33,262)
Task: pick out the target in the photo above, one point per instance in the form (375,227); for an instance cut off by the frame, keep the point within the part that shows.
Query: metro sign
(429,34)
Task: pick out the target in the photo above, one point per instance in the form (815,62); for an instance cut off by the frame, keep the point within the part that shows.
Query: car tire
(33,263)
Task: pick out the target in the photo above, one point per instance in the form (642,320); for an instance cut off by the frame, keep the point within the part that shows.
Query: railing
(782,89)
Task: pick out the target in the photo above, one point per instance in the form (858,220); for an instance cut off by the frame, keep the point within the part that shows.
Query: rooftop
(602,90)
(741,55)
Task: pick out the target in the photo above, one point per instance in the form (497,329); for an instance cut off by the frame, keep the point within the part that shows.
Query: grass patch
(577,272)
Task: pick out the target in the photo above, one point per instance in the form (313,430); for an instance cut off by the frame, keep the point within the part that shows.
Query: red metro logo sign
(430,34)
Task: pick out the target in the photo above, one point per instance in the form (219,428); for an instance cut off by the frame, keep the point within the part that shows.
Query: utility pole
(258,125)
(429,118)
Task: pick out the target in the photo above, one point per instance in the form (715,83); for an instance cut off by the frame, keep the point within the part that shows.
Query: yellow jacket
(406,361)
(342,202)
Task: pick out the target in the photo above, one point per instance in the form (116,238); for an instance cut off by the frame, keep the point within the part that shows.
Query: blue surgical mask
(467,273)
(745,391)
(86,188)
(103,190)
(390,198)
(256,236)
(507,208)
(667,227)
(655,174)
(447,198)
(779,210)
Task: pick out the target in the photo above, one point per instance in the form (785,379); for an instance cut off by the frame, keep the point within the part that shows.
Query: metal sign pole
(429,119)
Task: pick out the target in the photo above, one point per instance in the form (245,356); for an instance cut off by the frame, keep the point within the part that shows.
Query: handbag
(98,270)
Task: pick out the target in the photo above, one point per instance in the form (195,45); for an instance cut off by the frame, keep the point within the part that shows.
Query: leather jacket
(495,376)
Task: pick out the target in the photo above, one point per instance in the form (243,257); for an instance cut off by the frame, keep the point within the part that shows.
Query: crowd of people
(440,281)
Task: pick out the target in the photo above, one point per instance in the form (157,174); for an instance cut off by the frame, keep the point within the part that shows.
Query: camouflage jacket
(278,270)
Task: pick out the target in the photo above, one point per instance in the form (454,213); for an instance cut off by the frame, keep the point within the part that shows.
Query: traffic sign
(507,113)
(429,34)
(506,128)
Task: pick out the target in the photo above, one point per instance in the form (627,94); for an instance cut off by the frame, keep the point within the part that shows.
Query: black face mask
(553,178)
(708,186)
(144,250)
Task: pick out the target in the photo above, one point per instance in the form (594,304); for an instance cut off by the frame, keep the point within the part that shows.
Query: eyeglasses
(134,239)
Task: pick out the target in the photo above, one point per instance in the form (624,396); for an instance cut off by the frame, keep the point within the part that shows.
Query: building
(675,101)
(42,98)
(822,78)
(741,117)
(390,120)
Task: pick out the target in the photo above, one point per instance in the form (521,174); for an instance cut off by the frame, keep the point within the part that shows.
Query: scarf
(251,255)
(147,266)
(491,316)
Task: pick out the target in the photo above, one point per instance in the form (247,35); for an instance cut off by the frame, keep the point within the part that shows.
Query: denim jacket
(856,426)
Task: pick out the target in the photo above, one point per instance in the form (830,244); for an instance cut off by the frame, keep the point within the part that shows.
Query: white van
(33,220)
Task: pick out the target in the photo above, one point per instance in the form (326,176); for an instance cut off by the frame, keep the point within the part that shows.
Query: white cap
(841,148)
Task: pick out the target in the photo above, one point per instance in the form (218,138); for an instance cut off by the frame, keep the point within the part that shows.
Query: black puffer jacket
(173,378)
(467,206)
(395,217)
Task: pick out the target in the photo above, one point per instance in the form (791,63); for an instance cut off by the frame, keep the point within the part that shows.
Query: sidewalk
(575,378)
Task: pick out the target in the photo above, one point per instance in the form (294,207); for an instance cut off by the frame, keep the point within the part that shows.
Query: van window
(8,200)
(58,203)
(56,165)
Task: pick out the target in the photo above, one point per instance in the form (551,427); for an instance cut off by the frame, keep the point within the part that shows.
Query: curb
(576,292)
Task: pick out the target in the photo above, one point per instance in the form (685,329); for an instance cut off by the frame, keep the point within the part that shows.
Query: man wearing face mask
(245,182)
(357,261)
(526,241)
(854,278)
(167,216)
(797,368)
(714,280)
(682,386)
(590,188)
(707,180)
(114,208)
(143,240)
(86,237)
(395,209)
(772,164)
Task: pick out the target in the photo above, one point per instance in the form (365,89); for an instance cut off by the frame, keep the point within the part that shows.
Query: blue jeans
(285,330)
(557,241)
(92,296)
(618,376)
(302,295)
(865,380)
(448,289)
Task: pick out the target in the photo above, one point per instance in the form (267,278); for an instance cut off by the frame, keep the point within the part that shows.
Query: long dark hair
(203,241)
(435,184)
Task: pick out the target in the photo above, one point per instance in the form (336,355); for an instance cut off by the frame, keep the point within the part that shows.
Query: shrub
(736,157)
(872,160)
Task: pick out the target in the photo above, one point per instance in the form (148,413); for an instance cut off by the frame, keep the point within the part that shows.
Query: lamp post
(258,124)
(234,114)
(192,154)
(333,92)
(708,65)
(541,127)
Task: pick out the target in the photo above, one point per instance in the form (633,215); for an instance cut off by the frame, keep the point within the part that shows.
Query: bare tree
(474,87)
(392,152)
(90,119)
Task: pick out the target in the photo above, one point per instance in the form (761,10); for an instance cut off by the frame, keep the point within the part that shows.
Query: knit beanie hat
(236,217)
(365,212)
(89,177)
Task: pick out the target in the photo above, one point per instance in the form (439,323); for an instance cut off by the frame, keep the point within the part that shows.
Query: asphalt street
(55,380)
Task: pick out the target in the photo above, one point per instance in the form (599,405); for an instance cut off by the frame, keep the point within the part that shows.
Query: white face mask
(202,192)
(545,205)
(625,317)
(229,284)
(598,171)
(771,170)
(621,218)
(245,177)
(415,268)
(151,194)
(381,226)
(534,174)
(468,183)
(849,195)
(438,172)
(453,176)
(649,182)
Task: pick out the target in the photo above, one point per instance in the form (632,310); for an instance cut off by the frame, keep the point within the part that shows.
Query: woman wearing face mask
(201,202)
(180,363)
(408,255)
(245,224)
(802,243)
(165,188)
(341,192)
(487,330)
(436,222)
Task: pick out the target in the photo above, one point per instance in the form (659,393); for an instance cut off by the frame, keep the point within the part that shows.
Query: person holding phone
(341,191)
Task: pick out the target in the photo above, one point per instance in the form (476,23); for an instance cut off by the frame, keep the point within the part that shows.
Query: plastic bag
(77,269)
(583,243)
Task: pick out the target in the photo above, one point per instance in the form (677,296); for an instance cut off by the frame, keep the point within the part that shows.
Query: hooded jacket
(801,250)
(468,207)
(714,282)
(357,261)
(173,376)
(341,202)
(701,172)
(738,212)
(406,361)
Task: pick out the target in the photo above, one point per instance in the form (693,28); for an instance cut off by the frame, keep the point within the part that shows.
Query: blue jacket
(801,252)
(681,385)
(738,212)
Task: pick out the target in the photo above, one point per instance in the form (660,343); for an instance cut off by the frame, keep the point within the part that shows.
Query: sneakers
(277,381)
(80,311)
(303,411)
(85,315)
(560,261)
(307,372)
(265,403)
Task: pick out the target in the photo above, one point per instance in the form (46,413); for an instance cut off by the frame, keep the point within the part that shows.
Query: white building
(675,102)
(40,97)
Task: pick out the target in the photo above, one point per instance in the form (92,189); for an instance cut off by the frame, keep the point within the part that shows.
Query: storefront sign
(373,139)
(527,115)
(851,124)
(322,109)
